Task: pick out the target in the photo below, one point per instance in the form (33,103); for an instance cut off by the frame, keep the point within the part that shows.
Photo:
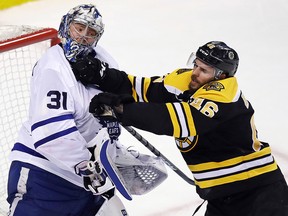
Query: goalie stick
(148,145)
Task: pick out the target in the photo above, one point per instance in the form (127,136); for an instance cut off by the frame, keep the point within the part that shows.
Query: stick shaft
(158,154)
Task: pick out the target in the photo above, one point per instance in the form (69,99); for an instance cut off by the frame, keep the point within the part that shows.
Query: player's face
(202,74)
(83,34)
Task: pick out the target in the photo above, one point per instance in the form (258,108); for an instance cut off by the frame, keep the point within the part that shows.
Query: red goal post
(30,38)
(20,48)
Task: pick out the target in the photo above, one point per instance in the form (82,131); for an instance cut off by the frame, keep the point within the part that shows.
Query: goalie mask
(80,30)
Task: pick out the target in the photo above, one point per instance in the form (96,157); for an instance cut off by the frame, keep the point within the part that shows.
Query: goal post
(20,48)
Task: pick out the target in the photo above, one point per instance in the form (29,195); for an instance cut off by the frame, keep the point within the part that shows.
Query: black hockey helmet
(220,56)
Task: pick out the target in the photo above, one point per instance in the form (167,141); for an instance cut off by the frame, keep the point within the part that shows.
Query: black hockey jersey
(214,130)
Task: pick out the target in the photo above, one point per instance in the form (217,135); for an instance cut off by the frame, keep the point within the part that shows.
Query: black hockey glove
(105,104)
(89,70)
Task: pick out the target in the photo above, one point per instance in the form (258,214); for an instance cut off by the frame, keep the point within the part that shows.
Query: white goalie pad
(131,172)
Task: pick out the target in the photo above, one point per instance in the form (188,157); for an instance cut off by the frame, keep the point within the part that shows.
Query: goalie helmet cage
(20,48)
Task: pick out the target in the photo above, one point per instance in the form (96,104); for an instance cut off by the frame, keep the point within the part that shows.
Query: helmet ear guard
(217,54)
(218,73)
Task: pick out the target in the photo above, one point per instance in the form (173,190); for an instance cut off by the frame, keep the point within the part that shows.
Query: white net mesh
(11,31)
(141,179)
(16,68)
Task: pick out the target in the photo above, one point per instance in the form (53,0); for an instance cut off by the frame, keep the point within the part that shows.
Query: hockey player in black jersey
(213,123)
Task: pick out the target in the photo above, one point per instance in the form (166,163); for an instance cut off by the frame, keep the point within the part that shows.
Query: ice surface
(154,37)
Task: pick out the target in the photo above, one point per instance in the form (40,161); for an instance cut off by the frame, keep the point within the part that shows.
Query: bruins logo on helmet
(186,144)
(217,86)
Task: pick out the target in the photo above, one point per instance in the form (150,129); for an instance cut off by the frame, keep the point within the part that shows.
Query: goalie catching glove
(130,171)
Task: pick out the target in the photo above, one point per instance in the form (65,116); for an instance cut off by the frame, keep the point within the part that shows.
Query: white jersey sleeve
(103,55)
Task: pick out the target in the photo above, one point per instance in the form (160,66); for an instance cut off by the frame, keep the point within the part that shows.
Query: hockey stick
(158,154)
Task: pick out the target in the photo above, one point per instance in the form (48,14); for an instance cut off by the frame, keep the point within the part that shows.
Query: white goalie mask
(89,17)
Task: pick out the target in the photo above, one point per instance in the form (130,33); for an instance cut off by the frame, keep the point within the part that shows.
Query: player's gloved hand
(102,103)
(94,177)
(89,70)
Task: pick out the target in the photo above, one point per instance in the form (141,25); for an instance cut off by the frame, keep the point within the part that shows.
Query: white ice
(154,37)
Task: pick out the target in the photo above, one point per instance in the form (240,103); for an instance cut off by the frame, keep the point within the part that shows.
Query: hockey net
(20,48)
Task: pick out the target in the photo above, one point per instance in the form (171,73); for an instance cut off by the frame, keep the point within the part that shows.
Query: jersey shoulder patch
(225,91)
(216,86)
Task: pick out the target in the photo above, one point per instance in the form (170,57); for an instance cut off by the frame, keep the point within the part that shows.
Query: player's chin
(193,85)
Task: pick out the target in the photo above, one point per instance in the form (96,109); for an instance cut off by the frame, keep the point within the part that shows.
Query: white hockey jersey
(59,128)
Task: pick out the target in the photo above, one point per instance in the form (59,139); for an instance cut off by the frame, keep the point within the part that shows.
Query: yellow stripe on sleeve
(173,117)
(230,162)
(147,82)
(237,177)
(190,121)
(134,94)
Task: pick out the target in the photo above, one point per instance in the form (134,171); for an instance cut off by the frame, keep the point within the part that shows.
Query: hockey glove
(99,105)
(94,177)
(89,70)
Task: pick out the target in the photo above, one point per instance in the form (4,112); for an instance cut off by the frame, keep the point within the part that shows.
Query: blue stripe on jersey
(55,136)
(112,173)
(23,148)
(51,120)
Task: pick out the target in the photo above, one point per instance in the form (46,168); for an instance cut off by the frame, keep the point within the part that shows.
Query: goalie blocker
(131,172)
